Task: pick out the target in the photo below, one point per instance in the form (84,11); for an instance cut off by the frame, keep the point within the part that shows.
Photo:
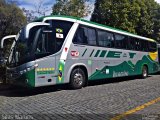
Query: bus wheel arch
(144,71)
(78,72)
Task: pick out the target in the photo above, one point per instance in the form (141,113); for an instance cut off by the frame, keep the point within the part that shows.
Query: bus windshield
(42,41)
(21,50)
(52,37)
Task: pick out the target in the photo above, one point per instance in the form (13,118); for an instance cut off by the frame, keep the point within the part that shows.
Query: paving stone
(103,100)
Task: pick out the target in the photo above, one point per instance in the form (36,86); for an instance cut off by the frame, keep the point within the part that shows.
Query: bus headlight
(24,71)
(36,65)
(21,72)
(28,69)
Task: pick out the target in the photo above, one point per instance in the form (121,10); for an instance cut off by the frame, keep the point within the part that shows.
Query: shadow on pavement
(113,80)
(158,73)
(17,91)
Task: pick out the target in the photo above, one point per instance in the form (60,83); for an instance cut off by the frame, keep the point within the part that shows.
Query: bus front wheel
(144,72)
(77,78)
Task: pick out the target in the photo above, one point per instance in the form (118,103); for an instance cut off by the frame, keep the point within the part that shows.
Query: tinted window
(131,43)
(152,46)
(80,37)
(144,45)
(121,41)
(91,36)
(137,44)
(105,39)
(45,43)
(50,39)
(134,44)
(85,35)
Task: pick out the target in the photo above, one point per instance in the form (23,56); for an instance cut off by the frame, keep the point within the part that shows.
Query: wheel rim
(78,79)
(144,72)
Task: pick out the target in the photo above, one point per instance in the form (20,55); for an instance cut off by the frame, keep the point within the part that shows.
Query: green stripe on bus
(114,54)
(91,53)
(84,52)
(103,53)
(125,68)
(97,53)
(30,76)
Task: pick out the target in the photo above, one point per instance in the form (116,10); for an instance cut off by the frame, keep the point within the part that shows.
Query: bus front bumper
(14,77)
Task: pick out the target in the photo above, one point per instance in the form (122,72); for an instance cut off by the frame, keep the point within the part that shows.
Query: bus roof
(94,23)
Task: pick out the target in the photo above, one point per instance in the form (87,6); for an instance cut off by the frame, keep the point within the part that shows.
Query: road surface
(112,99)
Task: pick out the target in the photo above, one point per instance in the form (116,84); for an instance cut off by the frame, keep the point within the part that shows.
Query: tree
(39,10)
(156,23)
(144,26)
(11,18)
(30,15)
(156,27)
(77,8)
(121,14)
(135,16)
(11,21)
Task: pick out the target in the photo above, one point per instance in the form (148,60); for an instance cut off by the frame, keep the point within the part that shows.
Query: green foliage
(120,14)
(11,18)
(11,21)
(136,16)
(156,24)
(30,15)
(145,24)
(76,8)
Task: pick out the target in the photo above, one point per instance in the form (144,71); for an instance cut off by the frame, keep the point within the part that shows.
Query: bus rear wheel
(77,78)
(144,72)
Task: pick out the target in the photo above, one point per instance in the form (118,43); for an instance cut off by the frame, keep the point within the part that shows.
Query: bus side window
(144,45)
(105,39)
(152,47)
(91,36)
(85,35)
(137,44)
(121,41)
(132,43)
(80,37)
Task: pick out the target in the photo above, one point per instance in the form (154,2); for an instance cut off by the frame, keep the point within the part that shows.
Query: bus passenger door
(46,59)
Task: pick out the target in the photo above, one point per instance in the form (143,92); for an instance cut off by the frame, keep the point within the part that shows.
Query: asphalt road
(123,98)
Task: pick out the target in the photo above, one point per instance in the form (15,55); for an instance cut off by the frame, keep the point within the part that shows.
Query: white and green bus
(58,49)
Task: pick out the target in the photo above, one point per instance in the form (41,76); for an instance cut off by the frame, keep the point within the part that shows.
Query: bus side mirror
(6,38)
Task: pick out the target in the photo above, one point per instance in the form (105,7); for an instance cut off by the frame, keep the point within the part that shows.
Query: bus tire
(144,72)
(77,78)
